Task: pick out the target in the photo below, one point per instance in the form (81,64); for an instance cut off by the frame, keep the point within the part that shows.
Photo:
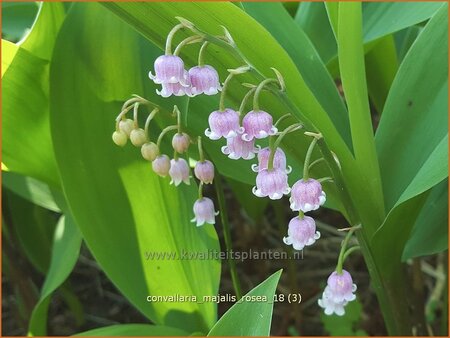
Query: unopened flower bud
(149,151)
(180,142)
(161,165)
(137,137)
(204,171)
(126,126)
(119,138)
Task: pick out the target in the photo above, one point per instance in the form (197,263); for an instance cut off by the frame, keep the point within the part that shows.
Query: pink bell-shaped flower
(180,142)
(237,148)
(176,89)
(161,165)
(338,292)
(258,124)
(204,212)
(279,160)
(272,183)
(301,232)
(204,80)
(169,69)
(179,171)
(307,195)
(223,124)
(204,171)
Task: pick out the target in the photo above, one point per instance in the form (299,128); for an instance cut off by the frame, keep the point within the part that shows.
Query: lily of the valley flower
(338,292)
(258,124)
(204,80)
(179,171)
(279,160)
(307,195)
(272,183)
(204,171)
(204,212)
(161,165)
(223,124)
(302,232)
(237,148)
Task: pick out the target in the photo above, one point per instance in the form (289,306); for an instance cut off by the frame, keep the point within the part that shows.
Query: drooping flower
(180,142)
(301,232)
(169,69)
(204,80)
(204,212)
(272,183)
(258,124)
(161,165)
(340,287)
(307,195)
(138,137)
(204,171)
(119,138)
(237,148)
(223,124)
(331,307)
(149,151)
(179,171)
(176,89)
(279,160)
(338,292)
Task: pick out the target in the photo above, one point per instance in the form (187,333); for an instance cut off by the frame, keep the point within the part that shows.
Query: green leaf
(129,330)
(123,209)
(345,325)
(353,76)
(430,232)
(32,225)
(17,17)
(381,68)
(384,18)
(25,103)
(65,251)
(312,17)
(404,40)
(30,189)
(412,134)
(252,315)
(253,206)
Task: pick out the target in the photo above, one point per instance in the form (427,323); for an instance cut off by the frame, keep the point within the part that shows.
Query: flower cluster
(240,132)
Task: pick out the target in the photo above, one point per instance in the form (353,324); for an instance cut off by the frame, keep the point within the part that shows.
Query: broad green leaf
(430,232)
(312,17)
(123,209)
(412,134)
(31,189)
(17,17)
(9,50)
(384,18)
(252,314)
(129,330)
(404,40)
(25,103)
(353,76)
(65,251)
(32,226)
(381,67)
